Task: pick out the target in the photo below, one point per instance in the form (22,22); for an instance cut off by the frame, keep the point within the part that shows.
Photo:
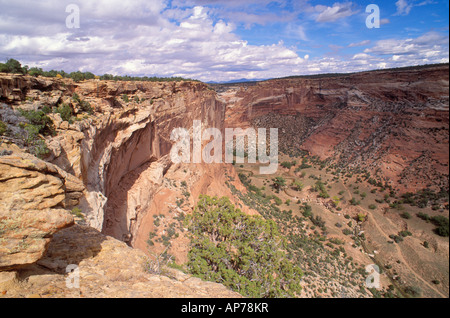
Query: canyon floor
(402,264)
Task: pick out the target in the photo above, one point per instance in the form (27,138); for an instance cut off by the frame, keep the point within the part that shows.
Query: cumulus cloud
(412,46)
(134,38)
(227,3)
(150,37)
(336,12)
(431,47)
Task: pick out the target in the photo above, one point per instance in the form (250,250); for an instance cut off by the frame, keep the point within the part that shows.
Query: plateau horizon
(213,151)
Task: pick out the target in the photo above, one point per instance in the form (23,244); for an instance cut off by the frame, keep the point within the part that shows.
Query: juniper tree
(245,253)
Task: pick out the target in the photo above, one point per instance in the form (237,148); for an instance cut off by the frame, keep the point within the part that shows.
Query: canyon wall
(121,151)
(113,166)
(394,123)
(130,142)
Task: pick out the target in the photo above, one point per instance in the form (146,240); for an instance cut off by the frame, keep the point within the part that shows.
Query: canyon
(114,164)
(392,121)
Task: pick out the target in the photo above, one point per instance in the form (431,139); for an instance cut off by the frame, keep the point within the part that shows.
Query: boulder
(33,198)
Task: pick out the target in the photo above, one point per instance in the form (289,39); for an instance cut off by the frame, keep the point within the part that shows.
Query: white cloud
(362,43)
(149,44)
(227,3)
(431,47)
(403,7)
(429,41)
(334,13)
(361,56)
(144,37)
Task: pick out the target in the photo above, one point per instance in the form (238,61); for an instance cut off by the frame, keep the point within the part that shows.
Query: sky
(223,40)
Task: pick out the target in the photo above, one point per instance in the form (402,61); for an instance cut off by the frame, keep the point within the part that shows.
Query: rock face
(16,88)
(33,196)
(106,268)
(392,121)
(99,160)
(131,139)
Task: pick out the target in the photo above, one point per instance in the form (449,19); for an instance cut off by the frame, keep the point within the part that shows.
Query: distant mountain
(242,80)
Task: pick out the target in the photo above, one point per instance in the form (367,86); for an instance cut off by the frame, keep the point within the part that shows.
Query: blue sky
(220,40)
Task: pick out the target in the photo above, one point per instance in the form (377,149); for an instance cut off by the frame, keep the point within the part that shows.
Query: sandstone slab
(33,195)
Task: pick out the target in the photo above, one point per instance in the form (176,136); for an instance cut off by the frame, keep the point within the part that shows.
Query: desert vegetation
(302,198)
(246,253)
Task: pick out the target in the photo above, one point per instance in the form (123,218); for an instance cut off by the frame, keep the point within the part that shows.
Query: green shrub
(77,212)
(3,128)
(424,216)
(242,252)
(287,165)
(442,224)
(125,98)
(279,183)
(318,221)
(277,200)
(307,210)
(297,185)
(39,149)
(320,187)
(372,207)
(405,233)
(40,120)
(13,66)
(413,291)
(347,232)
(361,217)
(180,202)
(406,215)
(83,105)
(65,111)
(77,76)
(33,141)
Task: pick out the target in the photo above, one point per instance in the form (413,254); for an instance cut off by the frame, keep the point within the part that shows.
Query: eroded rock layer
(395,122)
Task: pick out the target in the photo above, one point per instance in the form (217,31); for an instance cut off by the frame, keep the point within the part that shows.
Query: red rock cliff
(395,122)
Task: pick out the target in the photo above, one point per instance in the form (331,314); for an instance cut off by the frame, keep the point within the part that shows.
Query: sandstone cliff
(113,166)
(395,122)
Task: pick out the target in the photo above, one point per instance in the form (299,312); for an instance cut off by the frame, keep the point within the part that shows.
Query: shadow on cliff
(69,246)
(117,223)
(63,162)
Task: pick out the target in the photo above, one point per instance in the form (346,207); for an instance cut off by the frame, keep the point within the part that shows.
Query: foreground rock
(107,268)
(33,198)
